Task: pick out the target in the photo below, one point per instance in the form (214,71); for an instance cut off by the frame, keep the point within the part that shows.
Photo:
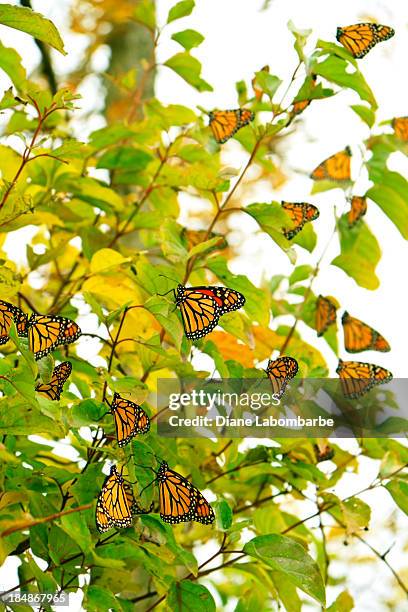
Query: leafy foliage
(106,245)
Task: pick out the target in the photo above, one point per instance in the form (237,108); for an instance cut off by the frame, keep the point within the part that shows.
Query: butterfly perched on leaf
(280,371)
(336,168)
(359,38)
(116,504)
(130,419)
(300,105)
(225,123)
(400,127)
(201,307)
(54,388)
(299,213)
(47,332)
(359,336)
(325,314)
(357,211)
(9,314)
(357,378)
(180,501)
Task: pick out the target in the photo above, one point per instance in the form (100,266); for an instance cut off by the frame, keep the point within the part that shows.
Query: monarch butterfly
(46,332)
(358,209)
(116,504)
(180,501)
(8,314)
(357,378)
(300,213)
(337,167)
(54,388)
(323,453)
(361,37)
(130,419)
(257,90)
(359,336)
(400,126)
(325,314)
(201,307)
(224,124)
(280,371)
(300,105)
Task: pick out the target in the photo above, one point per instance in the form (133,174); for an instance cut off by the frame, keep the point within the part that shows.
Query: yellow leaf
(106,258)
(230,348)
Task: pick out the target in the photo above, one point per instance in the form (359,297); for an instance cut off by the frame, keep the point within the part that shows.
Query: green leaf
(145,13)
(26,20)
(356,514)
(76,527)
(10,62)
(365,113)
(301,37)
(290,558)
(189,69)
(224,515)
(391,194)
(188,39)
(98,598)
(189,596)
(181,9)
(360,254)
(337,70)
(125,158)
(399,492)
(269,83)
(300,273)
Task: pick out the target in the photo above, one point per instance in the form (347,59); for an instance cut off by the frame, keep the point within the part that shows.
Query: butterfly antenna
(200,108)
(147,486)
(168,278)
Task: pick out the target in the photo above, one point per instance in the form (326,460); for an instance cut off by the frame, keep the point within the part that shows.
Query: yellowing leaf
(105,259)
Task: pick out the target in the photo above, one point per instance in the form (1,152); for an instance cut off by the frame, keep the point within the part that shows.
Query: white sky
(240,39)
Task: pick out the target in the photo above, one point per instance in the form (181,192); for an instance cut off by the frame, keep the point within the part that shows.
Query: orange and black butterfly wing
(54,388)
(299,213)
(227,299)
(325,314)
(280,371)
(200,312)
(46,332)
(357,378)
(180,501)
(336,168)
(130,419)
(224,124)
(6,319)
(357,211)
(358,336)
(115,502)
(400,126)
(358,39)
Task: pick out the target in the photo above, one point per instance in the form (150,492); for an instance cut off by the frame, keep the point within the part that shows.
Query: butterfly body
(325,314)
(201,307)
(358,336)
(335,168)
(180,501)
(299,213)
(224,124)
(359,38)
(53,389)
(280,371)
(357,211)
(357,377)
(47,332)
(130,419)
